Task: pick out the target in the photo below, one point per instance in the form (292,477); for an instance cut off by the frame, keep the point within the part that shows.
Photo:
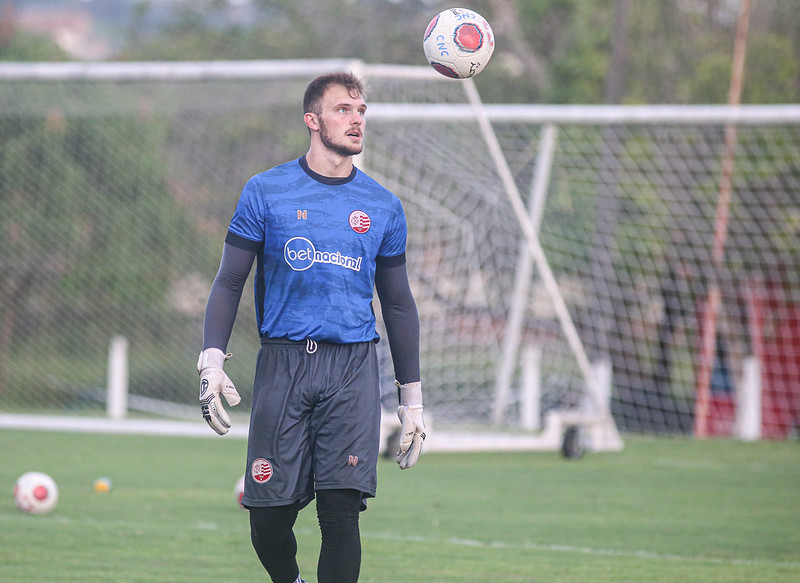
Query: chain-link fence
(118,182)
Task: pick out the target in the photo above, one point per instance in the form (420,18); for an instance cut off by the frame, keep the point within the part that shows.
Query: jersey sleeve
(248,218)
(394,239)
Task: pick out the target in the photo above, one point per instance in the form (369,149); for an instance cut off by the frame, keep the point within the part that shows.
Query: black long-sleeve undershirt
(400,316)
(225,294)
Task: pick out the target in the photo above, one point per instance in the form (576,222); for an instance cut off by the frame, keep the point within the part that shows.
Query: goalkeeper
(323,236)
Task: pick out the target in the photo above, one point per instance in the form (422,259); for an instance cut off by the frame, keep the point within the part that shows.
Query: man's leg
(340,555)
(274,541)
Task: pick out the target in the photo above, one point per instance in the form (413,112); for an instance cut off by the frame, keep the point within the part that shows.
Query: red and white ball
(238,491)
(458,43)
(36,493)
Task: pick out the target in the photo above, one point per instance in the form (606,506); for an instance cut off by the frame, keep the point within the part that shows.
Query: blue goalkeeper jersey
(317,241)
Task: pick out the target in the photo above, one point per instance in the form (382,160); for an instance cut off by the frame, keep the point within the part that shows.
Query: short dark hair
(316,89)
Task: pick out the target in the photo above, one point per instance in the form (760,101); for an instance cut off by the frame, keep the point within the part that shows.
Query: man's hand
(213,382)
(412,433)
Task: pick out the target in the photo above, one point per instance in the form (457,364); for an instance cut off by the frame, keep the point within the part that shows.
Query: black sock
(274,542)
(340,555)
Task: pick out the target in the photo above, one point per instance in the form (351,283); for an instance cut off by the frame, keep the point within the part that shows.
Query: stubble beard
(340,149)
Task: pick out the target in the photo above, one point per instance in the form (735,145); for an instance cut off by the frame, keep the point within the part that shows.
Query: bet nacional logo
(301,254)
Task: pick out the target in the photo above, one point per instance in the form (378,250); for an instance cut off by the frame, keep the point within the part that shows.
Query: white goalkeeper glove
(412,432)
(213,382)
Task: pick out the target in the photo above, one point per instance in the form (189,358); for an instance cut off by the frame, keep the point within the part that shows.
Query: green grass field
(664,510)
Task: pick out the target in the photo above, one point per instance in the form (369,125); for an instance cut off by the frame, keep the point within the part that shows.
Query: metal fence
(118,182)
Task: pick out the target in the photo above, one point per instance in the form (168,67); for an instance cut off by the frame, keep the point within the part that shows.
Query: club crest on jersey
(360,222)
(261,470)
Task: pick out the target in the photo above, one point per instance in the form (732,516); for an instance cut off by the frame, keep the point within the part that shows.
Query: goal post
(598,413)
(665,407)
(504,206)
(523,277)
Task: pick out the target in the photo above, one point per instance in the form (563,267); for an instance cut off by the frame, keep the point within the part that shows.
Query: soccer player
(323,236)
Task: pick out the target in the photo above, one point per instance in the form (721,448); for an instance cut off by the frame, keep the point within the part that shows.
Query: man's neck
(328,164)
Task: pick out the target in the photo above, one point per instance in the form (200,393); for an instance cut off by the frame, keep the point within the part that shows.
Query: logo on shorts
(352,460)
(360,222)
(261,470)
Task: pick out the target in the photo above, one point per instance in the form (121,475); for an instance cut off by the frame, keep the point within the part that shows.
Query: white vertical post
(748,401)
(531,397)
(523,275)
(532,237)
(117,380)
(603,374)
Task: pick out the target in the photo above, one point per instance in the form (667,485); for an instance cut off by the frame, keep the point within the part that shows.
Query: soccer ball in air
(238,491)
(36,493)
(458,43)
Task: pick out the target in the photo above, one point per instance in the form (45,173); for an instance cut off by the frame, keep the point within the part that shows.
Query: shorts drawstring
(311,346)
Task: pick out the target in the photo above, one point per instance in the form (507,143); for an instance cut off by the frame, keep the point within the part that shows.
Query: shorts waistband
(308,344)
(284,341)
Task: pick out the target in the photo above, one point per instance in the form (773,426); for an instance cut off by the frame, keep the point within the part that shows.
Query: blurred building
(71,26)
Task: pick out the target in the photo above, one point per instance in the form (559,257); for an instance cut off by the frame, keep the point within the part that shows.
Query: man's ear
(311,121)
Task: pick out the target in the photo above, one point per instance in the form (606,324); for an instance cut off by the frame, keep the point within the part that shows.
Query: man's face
(341,121)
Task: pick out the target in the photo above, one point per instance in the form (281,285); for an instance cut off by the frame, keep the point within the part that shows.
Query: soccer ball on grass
(36,493)
(238,491)
(458,43)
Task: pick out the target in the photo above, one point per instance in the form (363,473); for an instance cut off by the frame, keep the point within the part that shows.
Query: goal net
(560,256)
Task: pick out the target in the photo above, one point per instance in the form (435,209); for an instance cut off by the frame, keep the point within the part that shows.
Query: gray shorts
(315,423)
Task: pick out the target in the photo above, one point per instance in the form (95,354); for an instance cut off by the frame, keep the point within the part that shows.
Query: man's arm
(226,292)
(221,308)
(400,316)
(402,328)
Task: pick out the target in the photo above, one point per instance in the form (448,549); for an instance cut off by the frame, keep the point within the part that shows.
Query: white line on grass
(704,465)
(575,549)
(462,542)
